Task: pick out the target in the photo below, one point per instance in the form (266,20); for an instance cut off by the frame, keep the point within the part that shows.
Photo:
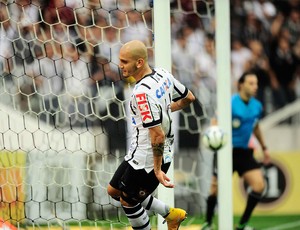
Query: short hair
(244,75)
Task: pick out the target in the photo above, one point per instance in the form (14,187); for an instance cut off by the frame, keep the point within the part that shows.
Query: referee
(246,112)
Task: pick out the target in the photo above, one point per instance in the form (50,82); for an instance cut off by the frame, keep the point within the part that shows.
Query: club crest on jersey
(163,88)
(144,107)
(236,123)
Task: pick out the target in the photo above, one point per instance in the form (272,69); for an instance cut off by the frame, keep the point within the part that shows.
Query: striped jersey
(149,106)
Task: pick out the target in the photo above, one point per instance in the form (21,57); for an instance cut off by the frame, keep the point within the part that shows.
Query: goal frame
(162,41)
(162,58)
(225,206)
(34,136)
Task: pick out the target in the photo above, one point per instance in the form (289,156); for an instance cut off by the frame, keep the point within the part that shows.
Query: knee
(114,193)
(127,200)
(125,203)
(259,186)
(255,180)
(214,190)
(214,187)
(132,199)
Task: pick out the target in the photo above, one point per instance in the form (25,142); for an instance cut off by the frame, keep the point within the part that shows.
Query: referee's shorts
(242,161)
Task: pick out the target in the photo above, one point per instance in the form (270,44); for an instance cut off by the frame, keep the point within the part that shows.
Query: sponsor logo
(144,107)
(133,121)
(163,88)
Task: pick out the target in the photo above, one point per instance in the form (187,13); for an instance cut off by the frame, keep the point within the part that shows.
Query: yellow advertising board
(12,192)
(282,194)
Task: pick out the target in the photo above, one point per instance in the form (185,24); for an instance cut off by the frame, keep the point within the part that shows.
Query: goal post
(64,126)
(225,206)
(162,41)
(162,51)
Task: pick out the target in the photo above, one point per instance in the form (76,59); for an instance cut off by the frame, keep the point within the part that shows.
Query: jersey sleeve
(148,109)
(180,91)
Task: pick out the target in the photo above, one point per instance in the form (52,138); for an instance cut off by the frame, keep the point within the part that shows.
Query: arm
(182,103)
(157,141)
(258,134)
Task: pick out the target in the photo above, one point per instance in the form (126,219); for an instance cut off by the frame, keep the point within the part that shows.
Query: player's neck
(143,72)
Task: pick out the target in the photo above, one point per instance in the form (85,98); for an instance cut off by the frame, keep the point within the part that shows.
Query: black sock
(253,199)
(210,209)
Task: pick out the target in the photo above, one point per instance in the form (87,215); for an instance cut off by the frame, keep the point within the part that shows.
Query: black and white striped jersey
(150,106)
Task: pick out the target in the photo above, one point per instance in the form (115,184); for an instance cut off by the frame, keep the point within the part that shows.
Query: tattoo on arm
(158,149)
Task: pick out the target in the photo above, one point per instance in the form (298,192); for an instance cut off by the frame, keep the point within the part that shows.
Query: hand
(163,179)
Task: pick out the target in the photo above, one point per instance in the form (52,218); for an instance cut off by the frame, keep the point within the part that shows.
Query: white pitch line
(285,226)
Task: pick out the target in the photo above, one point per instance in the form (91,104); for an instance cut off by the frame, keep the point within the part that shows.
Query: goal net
(63,107)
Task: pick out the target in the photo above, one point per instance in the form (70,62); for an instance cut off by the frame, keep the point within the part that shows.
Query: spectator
(264,10)
(260,65)
(49,83)
(284,64)
(79,85)
(240,57)
(134,28)
(253,29)
(183,60)
(292,25)
(109,50)
(8,34)
(206,65)
(206,76)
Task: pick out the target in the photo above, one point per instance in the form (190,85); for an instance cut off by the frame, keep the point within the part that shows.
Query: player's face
(127,64)
(250,85)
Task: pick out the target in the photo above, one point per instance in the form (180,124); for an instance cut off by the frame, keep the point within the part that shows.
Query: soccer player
(246,112)
(156,94)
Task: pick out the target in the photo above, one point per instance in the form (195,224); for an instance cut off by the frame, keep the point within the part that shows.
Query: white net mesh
(63,127)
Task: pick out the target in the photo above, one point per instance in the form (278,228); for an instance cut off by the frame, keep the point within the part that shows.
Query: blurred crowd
(56,55)
(265,38)
(269,31)
(62,55)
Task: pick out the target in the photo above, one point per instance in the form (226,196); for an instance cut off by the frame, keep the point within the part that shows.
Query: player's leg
(254,178)
(150,184)
(113,188)
(113,192)
(122,187)
(211,204)
(173,216)
(211,201)
(155,205)
(248,169)
(135,212)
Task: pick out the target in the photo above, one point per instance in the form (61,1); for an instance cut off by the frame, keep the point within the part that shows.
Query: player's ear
(140,62)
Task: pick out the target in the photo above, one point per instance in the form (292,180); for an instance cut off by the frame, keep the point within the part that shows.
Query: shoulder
(145,86)
(142,87)
(159,70)
(256,102)
(162,72)
(235,97)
